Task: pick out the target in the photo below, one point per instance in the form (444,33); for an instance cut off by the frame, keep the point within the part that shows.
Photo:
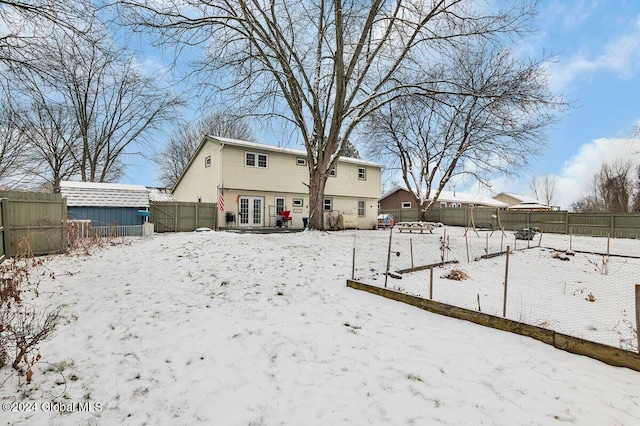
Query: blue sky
(597,65)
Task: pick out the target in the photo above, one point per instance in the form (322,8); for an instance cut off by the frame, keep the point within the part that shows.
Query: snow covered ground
(581,294)
(238,329)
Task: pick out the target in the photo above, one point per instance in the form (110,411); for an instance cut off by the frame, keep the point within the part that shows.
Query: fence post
(411,248)
(506,280)
(353,264)
(431,282)
(386,275)
(6,229)
(175,219)
(638,316)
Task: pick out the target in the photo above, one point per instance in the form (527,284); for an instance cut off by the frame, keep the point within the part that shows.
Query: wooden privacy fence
(618,225)
(38,217)
(169,216)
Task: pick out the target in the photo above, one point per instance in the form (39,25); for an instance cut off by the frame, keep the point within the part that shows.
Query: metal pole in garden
(638,316)
(386,275)
(431,282)
(411,247)
(506,279)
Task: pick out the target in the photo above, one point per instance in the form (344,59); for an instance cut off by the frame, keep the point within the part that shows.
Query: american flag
(221,199)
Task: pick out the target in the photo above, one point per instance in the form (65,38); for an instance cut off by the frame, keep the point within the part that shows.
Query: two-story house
(255,182)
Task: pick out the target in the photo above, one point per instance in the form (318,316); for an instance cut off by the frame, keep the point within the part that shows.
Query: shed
(105,203)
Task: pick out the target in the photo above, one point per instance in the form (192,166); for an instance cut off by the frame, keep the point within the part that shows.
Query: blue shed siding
(101,216)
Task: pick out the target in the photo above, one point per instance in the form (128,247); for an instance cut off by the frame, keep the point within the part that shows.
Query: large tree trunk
(317,182)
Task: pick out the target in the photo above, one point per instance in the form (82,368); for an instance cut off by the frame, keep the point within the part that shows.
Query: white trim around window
(301,161)
(362,208)
(327,204)
(406,204)
(362,173)
(252,159)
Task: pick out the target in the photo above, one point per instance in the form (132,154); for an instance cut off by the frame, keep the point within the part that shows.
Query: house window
(362,208)
(328,204)
(251,159)
(207,161)
(362,173)
(443,205)
(301,161)
(333,172)
(298,202)
(406,204)
(280,205)
(471,205)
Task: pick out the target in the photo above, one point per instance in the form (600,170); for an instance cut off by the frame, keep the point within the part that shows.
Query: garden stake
(431,283)
(386,275)
(506,278)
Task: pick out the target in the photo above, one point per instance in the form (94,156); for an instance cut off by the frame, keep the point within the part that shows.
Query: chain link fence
(575,285)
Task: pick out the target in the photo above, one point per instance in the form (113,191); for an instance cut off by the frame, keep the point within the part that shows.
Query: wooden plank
(604,353)
(423,267)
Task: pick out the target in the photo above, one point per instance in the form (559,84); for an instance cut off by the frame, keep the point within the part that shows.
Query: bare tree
(52,135)
(24,23)
(544,188)
(12,149)
(184,142)
(115,107)
(485,116)
(322,65)
(613,190)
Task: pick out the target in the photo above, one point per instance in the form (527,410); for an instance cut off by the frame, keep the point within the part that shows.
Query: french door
(251,211)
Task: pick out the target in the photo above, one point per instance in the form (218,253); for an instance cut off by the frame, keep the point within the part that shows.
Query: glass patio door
(251,211)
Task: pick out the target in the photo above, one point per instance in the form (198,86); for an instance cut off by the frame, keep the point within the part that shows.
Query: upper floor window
(251,159)
(406,204)
(333,172)
(301,161)
(207,161)
(362,173)
(443,205)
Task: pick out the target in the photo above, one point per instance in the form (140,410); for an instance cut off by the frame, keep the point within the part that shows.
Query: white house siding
(200,182)
(281,178)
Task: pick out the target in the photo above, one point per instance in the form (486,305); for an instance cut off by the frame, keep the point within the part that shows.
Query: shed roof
(94,194)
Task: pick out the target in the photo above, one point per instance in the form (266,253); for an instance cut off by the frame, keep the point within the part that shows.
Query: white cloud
(620,56)
(578,171)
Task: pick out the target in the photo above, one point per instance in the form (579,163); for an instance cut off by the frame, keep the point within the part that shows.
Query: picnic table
(416,226)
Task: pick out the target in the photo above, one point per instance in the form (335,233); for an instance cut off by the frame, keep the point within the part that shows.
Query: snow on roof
(255,145)
(95,194)
(463,197)
(458,197)
(523,199)
(529,206)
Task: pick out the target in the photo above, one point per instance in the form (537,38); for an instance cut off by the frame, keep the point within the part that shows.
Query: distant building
(400,198)
(105,203)
(521,202)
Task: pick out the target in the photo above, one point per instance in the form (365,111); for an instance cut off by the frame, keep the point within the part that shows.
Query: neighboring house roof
(160,194)
(529,206)
(93,194)
(522,199)
(463,197)
(458,197)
